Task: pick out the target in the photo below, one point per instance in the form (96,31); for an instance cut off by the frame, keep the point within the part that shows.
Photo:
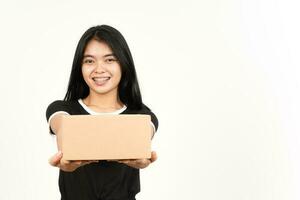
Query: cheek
(86,71)
(85,76)
(117,71)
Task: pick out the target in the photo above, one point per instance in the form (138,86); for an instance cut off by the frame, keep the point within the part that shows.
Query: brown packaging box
(105,137)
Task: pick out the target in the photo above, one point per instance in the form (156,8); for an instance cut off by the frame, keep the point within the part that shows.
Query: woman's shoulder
(59,106)
(141,109)
(144,109)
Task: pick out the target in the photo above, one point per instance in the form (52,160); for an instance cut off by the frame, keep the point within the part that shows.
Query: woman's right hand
(65,165)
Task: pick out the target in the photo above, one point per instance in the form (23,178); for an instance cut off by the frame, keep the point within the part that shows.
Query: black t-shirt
(103,180)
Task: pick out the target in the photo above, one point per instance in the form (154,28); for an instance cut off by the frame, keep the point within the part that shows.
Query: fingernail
(59,153)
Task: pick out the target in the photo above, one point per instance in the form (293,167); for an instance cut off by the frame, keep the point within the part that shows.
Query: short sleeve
(54,108)
(154,120)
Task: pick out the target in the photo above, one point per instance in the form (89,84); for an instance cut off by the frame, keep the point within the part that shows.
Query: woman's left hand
(140,163)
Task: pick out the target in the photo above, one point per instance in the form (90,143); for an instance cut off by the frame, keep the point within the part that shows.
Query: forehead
(97,48)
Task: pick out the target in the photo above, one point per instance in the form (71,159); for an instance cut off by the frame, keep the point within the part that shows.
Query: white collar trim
(101,113)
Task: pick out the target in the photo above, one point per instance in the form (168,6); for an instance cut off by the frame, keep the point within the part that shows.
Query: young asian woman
(103,80)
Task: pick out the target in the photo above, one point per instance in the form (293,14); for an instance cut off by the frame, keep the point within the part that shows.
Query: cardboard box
(103,137)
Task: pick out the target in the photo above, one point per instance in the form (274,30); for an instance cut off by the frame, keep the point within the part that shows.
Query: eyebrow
(107,55)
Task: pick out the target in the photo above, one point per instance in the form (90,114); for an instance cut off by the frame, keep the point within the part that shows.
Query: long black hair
(128,89)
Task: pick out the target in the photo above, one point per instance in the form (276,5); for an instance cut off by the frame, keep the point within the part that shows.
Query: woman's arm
(54,122)
(56,160)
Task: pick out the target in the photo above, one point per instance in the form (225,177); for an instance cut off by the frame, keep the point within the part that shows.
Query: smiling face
(100,68)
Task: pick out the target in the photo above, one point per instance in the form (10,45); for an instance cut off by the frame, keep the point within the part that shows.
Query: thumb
(153,156)
(55,160)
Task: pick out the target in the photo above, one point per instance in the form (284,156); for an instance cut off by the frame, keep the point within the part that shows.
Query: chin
(103,90)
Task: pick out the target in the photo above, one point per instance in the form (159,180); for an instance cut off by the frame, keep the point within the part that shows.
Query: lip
(101,82)
(101,77)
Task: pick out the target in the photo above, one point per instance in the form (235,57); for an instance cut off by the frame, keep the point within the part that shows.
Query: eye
(110,60)
(88,61)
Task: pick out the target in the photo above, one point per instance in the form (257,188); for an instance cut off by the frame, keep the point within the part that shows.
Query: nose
(100,67)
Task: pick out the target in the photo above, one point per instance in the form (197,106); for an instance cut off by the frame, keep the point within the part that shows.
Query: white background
(221,75)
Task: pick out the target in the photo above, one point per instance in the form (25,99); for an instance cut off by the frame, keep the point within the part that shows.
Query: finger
(143,162)
(77,162)
(124,161)
(65,162)
(113,160)
(87,162)
(128,161)
(55,160)
(153,156)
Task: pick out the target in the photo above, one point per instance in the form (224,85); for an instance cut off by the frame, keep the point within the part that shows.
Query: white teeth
(101,79)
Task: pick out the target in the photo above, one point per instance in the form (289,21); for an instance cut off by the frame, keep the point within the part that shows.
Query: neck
(103,101)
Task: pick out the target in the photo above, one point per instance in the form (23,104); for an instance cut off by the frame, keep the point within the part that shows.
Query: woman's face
(100,68)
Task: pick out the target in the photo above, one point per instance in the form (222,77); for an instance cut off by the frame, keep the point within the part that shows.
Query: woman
(103,81)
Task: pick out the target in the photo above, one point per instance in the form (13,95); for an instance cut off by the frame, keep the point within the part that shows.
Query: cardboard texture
(103,137)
